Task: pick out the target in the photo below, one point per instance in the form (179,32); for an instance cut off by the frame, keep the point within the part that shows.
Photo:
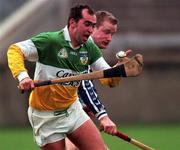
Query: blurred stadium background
(149,27)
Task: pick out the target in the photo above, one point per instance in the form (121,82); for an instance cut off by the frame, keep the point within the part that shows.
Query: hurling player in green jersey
(54,111)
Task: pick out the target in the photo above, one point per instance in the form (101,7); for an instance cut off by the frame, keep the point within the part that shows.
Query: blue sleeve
(88,96)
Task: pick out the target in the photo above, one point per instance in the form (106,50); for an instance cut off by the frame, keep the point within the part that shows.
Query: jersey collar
(67,37)
(66,34)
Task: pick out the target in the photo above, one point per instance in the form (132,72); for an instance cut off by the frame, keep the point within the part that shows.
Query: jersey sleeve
(88,96)
(111,82)
(17,54)
(15,60)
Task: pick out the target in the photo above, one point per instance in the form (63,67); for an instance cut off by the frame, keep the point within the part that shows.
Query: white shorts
(52,126)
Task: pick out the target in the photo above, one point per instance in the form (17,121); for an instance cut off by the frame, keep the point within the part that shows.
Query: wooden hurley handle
(133,141)
(140,145)
(118,71)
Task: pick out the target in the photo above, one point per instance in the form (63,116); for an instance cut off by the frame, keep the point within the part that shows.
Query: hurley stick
(130,69)
(132,141)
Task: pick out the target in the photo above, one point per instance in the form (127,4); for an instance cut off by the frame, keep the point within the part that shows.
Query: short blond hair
(105,15)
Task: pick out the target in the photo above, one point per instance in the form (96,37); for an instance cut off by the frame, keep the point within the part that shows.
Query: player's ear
(72,23)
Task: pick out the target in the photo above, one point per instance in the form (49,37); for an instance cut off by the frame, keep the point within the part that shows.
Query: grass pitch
(160,137)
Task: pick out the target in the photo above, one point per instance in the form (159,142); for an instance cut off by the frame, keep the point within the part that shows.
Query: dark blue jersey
(88,96)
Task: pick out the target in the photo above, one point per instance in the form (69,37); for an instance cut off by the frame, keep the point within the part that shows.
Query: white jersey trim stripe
(46,72)
(29,50)
(22,76)
(100,64)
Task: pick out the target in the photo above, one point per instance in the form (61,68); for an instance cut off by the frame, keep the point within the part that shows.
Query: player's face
(84,27)
(103,34)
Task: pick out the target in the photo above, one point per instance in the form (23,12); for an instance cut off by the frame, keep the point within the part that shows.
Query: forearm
(96,108)
(88,95)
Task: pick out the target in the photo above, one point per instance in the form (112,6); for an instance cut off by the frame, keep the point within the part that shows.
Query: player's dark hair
(105,15)
(76,12)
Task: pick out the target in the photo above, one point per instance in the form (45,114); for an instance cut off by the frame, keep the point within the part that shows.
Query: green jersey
(55,57)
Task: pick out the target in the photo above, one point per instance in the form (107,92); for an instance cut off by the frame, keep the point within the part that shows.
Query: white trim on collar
(67,37)
(66,34)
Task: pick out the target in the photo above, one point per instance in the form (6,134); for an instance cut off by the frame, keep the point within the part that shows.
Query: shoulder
(90,42)
(48,38)
(91,45)
(48,35)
